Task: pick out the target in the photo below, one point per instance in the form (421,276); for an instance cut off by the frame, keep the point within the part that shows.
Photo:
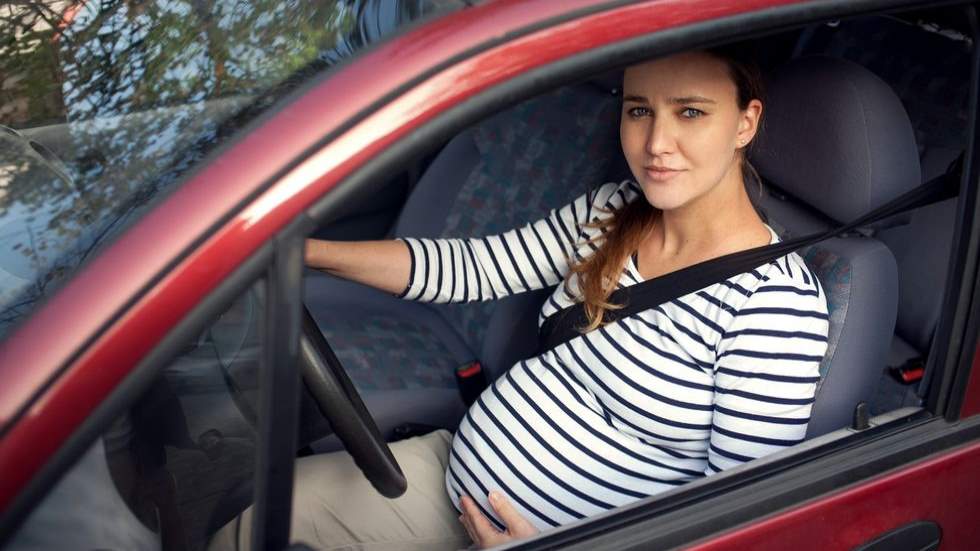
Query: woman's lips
(661,174)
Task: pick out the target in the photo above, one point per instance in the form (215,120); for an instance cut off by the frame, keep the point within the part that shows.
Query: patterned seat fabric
(528,160)
(382,352)
(927,70)
(536,157)
(382,348)
(834,274)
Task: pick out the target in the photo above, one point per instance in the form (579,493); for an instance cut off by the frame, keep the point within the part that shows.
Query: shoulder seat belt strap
(566,324)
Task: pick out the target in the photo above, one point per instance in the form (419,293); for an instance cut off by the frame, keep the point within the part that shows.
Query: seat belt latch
(471,381)
(909,372)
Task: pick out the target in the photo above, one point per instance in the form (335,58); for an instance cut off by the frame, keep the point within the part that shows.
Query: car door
(415,91)
(907,477)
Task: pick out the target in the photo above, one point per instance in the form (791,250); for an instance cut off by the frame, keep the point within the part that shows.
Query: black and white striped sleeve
(766,372)
(486,268)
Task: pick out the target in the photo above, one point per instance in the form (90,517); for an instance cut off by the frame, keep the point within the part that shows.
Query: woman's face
(681,128)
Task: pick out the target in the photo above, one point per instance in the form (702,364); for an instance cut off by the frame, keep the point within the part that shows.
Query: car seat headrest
(835,136)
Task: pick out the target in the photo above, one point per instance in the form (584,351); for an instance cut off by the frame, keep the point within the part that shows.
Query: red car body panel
(859,514)
(971,400)
(52,366)
(64,361)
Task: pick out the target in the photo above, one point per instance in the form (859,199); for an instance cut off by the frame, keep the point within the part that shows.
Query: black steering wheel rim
(341,404)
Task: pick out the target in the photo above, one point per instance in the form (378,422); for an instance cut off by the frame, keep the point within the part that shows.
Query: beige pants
(335,507)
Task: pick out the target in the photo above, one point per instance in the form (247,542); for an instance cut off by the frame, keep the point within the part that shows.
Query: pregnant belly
(553,453)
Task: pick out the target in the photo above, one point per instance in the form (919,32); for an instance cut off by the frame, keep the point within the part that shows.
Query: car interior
(182,459)
(884,283)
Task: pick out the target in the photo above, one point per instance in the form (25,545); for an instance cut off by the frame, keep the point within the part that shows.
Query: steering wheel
(236,343)
(341,404)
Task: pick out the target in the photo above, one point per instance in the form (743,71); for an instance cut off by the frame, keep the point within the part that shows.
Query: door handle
(922,535)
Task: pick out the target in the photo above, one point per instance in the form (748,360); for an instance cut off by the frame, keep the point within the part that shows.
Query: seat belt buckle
(410,430)
(909,372)
(471,380)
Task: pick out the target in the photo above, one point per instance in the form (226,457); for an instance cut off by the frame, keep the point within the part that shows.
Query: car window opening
(917,242)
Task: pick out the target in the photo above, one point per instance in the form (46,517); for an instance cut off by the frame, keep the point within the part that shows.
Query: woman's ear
(748,123)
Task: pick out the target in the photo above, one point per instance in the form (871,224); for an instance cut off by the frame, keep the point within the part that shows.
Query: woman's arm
(531,257)
(466,270)
(766,372)
(382,264)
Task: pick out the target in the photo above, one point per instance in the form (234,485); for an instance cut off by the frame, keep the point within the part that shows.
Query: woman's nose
(660,137)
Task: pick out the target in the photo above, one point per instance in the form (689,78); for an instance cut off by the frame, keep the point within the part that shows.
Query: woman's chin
(663,197)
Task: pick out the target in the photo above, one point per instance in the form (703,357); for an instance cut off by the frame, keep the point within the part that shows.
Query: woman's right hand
(483,533)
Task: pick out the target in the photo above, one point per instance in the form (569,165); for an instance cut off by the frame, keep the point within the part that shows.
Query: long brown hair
(621,233)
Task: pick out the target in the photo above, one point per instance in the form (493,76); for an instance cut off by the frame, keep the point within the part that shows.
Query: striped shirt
(694,386)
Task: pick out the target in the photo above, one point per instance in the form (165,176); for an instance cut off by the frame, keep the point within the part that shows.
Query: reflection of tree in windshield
(130,94)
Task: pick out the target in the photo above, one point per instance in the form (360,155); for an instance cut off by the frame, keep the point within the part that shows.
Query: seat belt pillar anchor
(862,417)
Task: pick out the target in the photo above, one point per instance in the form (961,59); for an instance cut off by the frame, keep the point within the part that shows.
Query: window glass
(176,465)
(104,105)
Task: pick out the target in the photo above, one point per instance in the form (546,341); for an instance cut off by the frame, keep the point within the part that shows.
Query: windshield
(105,104)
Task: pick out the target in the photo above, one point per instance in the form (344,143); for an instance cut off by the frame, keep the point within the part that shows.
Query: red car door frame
(835,492)
(58,399)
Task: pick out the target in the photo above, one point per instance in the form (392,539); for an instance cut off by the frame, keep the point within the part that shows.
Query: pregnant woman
(631,407)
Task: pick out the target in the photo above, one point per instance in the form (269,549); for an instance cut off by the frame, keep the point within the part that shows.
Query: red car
(164,161)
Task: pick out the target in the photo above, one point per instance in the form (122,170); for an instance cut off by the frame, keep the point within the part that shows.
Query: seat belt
(566,324)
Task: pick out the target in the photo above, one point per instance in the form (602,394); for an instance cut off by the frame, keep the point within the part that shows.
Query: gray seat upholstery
(837,143)
(507,170)
(929,71)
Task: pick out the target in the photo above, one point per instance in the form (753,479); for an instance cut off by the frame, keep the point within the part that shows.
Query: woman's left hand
(483,533)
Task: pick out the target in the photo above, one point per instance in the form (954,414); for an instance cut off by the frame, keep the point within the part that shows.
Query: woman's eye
(691,113)
(637,112)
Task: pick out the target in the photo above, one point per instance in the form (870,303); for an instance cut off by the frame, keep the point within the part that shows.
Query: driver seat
(513,167)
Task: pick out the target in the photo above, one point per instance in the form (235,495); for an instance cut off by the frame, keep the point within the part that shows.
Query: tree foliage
(116,99)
